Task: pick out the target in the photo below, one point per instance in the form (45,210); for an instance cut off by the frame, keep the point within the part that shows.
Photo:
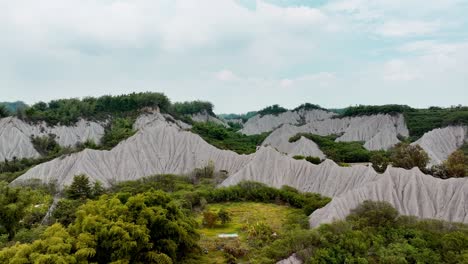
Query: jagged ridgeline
(138,179)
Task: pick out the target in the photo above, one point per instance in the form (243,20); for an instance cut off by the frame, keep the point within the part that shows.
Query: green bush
(225,138)
(361,110)
(191,108)
(272,110)
(298,157)
(309,106)
(337,151)
(313,160)
(119,130)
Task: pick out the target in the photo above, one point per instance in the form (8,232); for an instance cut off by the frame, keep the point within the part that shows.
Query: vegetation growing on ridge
(272,110)
(227,138)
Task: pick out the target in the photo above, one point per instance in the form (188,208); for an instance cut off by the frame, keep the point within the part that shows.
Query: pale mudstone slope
(205,117)
(293,259)
(259,124)
(158,147)
(274,169)
(441,142)
(410,191)
(15,136)
(377,131)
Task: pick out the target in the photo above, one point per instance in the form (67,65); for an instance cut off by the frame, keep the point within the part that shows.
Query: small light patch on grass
(243,214)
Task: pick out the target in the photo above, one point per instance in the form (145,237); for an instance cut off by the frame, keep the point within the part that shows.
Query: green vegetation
(68,111)
(191,108)
(337,151)
(418,121)
(12,107)
(424,120)
(309,106)
(256,224)
(4,112)
(408,156)
(311,159)
(456,166)
(244,117)
(227,138)
(272,110)
(373,233)
(119,130)
(361,110)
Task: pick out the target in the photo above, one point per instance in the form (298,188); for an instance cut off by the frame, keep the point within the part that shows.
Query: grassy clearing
(243,215)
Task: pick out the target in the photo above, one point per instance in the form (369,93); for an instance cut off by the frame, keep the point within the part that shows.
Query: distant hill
(12,106)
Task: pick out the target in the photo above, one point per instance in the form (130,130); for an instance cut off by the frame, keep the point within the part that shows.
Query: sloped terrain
(158,147)
(259,124)
(441,142)
(410,191)
(377,131)
(15,136)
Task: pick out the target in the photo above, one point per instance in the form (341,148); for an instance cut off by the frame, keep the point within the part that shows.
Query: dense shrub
(45,145)
(373,233)
(226,138)
(191,108)
(4,112)
(337,151)
(376,109)
(408,156)
(272,110)
(119,130)
(425,120)
(244,117)
(313,160)
(68,111)
(13,107)
(308,107)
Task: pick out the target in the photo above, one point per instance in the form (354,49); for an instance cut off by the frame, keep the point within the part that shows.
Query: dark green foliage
(4,112)
(272,110)
(257,192)
(68,111)
(64,212)
(464,148)
(226,138)
(380,160)
(235,126)
(46,145)
(309,106)
(313,160)
(81,188)
(13,107)
(191,108)
(244,117)
(408,156)
(373,233)
(298,157)
(424,120)
(361,110)
(224,216)
(13,204)
(338,151)
(119,130)
(166,182)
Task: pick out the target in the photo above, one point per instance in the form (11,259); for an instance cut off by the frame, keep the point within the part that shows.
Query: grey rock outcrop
(293,259)
(410,191)
(377,131)
(441,142)
(15,136)
(259,124)
(158,147)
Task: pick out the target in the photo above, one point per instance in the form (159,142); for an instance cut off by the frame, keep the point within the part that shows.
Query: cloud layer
(241,55)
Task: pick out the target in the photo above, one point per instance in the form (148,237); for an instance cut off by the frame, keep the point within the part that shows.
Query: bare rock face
(15,136)
(410,191)
(259,124)
(441,142)
(377,131)
(205,117)
(159,147)
(293,259)
(276,170)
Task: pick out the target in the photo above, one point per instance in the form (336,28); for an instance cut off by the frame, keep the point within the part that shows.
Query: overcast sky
(240,55)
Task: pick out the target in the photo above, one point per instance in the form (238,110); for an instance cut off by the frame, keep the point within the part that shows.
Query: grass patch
(243,215)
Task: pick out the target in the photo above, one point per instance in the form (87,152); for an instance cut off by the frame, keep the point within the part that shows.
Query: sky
(241,55)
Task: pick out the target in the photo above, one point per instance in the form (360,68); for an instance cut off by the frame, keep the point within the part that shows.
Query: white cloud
(399,70)
(407,28)
(226,75)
